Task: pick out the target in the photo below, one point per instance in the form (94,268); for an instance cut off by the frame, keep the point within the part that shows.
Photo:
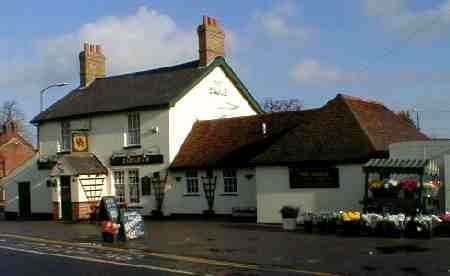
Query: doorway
(66,199)
(24,200)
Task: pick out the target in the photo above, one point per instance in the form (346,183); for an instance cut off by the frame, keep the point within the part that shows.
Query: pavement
(258,248)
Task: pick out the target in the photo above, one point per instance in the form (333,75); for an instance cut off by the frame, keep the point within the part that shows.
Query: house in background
(14,152)
(106,136)
(312,158)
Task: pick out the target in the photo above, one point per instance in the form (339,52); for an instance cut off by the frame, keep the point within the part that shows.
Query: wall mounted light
(249,176)
(178,178)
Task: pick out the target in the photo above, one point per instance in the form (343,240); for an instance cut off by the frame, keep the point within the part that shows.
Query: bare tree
(10,110)
(406,115)
(272,105)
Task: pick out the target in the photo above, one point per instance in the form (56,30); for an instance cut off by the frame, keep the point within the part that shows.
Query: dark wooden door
(66,199)
(24,200)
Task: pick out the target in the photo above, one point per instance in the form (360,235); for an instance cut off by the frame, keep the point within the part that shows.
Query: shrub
(289,212)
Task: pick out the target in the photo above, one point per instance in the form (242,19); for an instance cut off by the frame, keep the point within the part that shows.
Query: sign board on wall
(79,142)
(301,177)
(136,160)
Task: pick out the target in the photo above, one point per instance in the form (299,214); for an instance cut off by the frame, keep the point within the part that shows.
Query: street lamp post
(61,84)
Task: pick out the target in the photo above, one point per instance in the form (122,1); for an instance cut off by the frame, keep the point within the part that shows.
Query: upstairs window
(133,135)
(230,181)
(192,182)
(66,138)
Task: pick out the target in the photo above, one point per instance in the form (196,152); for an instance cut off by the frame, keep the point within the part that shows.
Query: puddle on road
(408,248)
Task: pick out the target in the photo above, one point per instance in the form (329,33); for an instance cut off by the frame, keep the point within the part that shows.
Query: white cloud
(144,40)
(277,24)
(400,20)
(311,72)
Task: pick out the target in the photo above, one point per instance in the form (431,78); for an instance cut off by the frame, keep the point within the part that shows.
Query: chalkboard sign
(133,225)
(109,209)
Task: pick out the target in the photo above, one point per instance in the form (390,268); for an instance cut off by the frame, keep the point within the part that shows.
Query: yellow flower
(351,216)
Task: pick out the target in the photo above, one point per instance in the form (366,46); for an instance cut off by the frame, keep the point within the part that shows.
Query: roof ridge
(359,99)
(363,128)
(163,69)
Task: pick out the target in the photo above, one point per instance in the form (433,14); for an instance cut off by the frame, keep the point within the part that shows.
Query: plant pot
(308,226)
(351,228)
(289,224)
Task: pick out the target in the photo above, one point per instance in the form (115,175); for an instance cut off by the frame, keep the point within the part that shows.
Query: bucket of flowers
(326,222)
(409,188)
(421,226)
(369,223)
(351,223)
(308,221)
(376,187)
(443,229)
(289,215)
(391,226)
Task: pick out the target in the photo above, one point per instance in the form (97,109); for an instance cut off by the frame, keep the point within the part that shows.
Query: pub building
(191,139)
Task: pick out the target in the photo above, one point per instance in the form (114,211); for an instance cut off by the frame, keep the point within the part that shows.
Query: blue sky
(394,51)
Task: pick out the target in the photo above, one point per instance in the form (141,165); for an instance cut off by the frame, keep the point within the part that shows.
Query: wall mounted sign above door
(79,142)
(136,160)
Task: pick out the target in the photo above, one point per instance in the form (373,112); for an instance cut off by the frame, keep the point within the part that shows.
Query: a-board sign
(109,210)
(133,224)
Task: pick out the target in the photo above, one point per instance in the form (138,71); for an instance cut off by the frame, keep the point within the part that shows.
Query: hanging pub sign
(133,225)
(79,142)
(136,160)
(109,210)
(326,177)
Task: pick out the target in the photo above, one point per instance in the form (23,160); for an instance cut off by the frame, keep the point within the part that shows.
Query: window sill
(188,195)
(132,147)
(230,194)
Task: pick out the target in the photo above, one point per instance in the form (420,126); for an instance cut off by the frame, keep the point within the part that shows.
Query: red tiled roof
(346,129)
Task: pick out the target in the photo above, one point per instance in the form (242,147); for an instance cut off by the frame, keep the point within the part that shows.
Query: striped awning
(403,165)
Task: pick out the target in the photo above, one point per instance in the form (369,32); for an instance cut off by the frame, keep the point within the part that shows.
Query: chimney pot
(92,64)
(211,39)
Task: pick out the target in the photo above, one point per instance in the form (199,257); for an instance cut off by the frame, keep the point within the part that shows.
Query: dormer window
(65,137)
(133,134)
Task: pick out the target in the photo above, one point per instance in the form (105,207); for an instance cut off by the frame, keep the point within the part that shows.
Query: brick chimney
(92,64)
(211,39)
(9,130)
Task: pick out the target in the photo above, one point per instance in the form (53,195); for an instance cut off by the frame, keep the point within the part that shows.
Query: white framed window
(119,184)
(230,181)
(133,186)
(127,185)
(133,133)
(192,182)
(65,136)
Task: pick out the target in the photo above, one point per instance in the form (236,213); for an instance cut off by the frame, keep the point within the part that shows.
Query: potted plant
(289,215)
(351,223)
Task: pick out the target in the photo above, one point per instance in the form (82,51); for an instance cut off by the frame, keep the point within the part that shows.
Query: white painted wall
(41,201)
(200,104)
(178,203)
(273,192)
(419,149)
(106,136)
